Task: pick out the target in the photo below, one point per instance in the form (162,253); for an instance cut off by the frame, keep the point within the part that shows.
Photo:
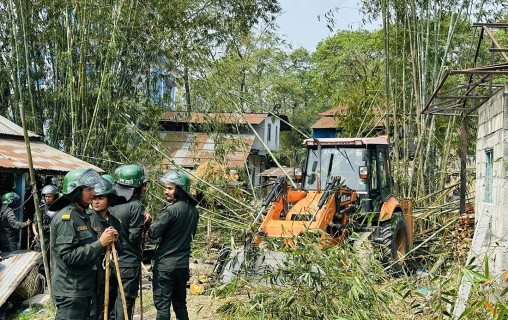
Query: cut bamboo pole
(119,279)
(106,286)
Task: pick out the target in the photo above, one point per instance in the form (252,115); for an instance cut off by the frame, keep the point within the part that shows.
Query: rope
(23,204)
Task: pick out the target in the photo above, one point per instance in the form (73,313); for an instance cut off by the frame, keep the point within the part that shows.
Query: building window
(488,176)
(269,132)
(276,134)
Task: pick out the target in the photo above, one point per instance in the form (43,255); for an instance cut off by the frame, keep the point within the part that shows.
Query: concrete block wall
(493,135)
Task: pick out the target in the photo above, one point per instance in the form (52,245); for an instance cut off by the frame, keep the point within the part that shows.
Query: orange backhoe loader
(346,187)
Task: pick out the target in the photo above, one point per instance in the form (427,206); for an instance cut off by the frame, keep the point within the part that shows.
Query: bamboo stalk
(119,279)
(36,201)
(386,21)
(106,285)
(27,66)
(70,89)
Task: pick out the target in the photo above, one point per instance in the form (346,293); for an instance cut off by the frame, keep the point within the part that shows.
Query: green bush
(314,283)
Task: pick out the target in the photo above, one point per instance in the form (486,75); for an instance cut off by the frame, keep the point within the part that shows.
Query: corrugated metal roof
(224,117)
(345,141)
(277,172)
(325,123)
(189,149)
(11,129)
(336,110)
(45,158)
(13,270)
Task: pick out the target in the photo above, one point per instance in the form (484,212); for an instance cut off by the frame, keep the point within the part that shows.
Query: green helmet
(177,177)
(49,189)
(104,187)
(80,178)
(9,197)
(130,175)
(109,178)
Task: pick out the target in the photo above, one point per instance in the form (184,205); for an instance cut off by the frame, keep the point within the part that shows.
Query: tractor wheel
(394,242)
(224,254)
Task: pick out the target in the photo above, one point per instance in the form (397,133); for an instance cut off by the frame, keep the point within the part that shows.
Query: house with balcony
(239,141)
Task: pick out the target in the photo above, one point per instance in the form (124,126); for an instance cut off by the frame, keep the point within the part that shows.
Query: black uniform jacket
(74,250)
(99,224)
(131,217)
(10,226)
(176,225)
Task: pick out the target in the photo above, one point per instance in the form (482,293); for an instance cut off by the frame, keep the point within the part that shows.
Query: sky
(301,27)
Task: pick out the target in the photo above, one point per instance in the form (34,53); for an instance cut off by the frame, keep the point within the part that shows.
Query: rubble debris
(38,300)
(14,268)
(464,231)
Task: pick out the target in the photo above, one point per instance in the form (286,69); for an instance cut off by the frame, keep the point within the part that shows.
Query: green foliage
(315,283)
(92,65)
(348,71)
(32,313)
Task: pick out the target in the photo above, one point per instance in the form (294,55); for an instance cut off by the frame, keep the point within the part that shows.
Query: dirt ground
(199,307)
(203,306)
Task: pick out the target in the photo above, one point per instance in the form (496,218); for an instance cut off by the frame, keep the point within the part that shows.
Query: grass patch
(32,313)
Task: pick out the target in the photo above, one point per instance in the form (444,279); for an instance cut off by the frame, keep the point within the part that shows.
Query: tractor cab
(342,179)
(362,164)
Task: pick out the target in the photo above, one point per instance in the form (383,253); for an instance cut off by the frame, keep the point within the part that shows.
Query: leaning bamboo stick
(36,200)
(119,279)
(106,287)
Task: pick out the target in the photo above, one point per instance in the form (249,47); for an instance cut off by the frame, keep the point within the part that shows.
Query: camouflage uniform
(46,222)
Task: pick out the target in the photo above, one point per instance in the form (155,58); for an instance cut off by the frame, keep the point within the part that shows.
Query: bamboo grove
(77,66)
(82,70)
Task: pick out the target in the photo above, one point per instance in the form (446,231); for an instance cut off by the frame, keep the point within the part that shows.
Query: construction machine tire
(224,254)
(393,239)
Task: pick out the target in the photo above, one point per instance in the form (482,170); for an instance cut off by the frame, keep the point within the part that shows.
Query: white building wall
(493,135)
(262,130)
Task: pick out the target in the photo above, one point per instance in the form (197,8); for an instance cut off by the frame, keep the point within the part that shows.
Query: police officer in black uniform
(50,194)
(75,247)
(101,220)
(9,225)
(131,185)
(176,226)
